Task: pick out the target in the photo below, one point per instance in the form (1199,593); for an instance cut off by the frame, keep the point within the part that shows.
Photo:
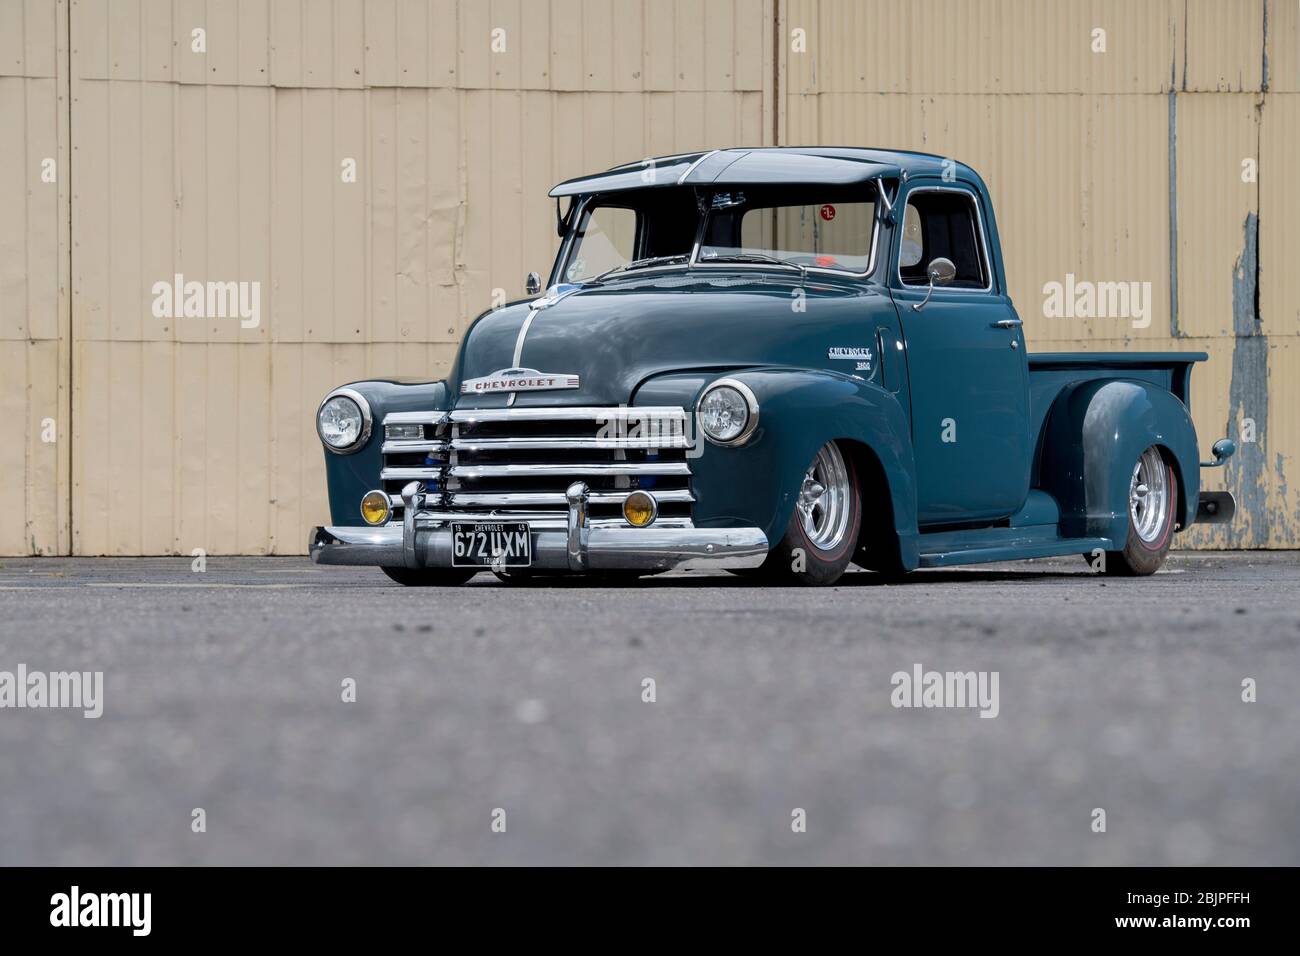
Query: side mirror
(1222,450)
(533,284)
(941,271)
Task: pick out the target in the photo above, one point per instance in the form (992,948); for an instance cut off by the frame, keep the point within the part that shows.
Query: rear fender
(1094,434)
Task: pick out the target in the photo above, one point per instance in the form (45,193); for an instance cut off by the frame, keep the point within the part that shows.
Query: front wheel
(823,530)
(1152,504)
(429,577)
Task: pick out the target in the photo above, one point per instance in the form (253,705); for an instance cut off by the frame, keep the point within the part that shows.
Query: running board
(979,545)
(1012,551)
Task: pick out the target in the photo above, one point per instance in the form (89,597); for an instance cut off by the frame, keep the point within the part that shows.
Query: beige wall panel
(1283,47)
(33,486)
(1216,210)
(34,402)
(981,46)
(174,446)
(1279,214)
(1225,45)
(29,209)
(1238,383)
(562,45)
(30,38)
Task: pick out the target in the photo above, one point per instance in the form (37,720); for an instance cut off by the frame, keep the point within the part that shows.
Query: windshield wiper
(751,257)
(641,264)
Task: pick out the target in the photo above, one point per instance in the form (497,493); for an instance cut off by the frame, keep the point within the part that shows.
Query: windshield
(632,229)
(812,227)
(775,227)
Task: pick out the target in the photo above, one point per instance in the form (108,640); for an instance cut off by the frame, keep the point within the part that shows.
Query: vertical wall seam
(1173,212)
(29,535)
(68,431)
(776,72)
(1263,66)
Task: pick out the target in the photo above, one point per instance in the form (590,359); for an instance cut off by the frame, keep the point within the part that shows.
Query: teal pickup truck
(774,361)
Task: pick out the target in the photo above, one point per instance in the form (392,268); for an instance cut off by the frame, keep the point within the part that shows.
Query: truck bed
(1049,372)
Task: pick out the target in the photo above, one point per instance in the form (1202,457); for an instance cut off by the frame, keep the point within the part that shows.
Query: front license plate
(491,544)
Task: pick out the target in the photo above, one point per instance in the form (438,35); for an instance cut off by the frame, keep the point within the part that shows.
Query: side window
(608,240)
(942,224)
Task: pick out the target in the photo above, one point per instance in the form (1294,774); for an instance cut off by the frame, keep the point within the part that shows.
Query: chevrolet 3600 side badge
(773,361)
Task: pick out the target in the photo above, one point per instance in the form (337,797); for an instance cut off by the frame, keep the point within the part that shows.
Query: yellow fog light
(374,507)
(640,509)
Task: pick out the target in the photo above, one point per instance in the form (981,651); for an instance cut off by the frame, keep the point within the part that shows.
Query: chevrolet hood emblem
(518,380)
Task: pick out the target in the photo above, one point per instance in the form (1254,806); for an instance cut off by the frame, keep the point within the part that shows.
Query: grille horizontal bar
(432,473)
(545,444)
(585,413)
(586,468)
(524,498)
(415,418)
(404,446)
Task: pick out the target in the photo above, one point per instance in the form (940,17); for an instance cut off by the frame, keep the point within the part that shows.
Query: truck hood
(606,340)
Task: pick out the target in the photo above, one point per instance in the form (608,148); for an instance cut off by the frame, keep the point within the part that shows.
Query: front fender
(1094,434)
(800,410)
(349,477)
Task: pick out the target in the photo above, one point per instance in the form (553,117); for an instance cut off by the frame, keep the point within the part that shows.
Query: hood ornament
(518,380)
(553,295)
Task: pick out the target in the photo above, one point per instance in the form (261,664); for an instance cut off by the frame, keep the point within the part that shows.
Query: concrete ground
(223,691)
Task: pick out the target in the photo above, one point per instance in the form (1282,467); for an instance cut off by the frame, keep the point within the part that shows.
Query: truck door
(965,360)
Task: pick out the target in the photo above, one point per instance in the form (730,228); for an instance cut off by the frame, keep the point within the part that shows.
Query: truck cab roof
(827,165)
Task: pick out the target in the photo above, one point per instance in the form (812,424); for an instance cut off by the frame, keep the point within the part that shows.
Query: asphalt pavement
(498,723)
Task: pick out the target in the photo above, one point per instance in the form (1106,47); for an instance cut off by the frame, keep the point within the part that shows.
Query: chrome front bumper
(571,542)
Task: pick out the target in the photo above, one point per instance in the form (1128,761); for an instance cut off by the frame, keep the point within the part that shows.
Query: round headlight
(343,421)
(728,412)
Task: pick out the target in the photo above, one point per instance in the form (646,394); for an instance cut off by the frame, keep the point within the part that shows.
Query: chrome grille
(518,462)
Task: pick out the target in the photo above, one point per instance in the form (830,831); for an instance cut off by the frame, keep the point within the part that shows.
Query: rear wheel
(823,530)
(429,577)
(1152,503)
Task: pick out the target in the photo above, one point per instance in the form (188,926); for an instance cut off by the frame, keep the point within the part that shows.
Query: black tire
(798,558)
(883,560)
(429,577)
(1150,533)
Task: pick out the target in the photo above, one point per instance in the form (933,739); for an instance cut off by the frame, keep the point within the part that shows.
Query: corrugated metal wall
(34,241)
(232,164)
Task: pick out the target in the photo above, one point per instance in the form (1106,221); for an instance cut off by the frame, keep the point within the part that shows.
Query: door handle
(1008,323)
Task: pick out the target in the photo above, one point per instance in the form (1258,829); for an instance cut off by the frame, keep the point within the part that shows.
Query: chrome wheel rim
(1148,496)
(825,499)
